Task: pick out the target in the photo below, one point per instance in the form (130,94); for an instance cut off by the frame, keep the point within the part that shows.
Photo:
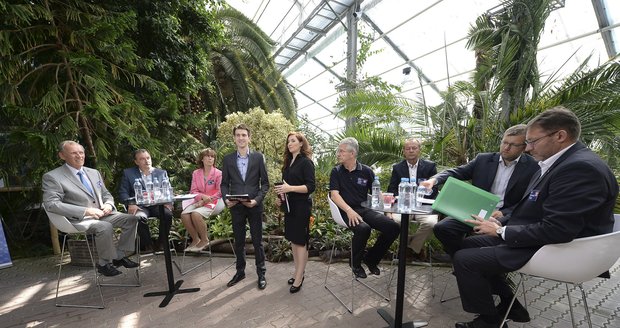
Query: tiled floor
(27,298)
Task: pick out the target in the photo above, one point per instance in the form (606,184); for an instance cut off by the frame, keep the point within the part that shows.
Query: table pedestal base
(390,320)
(170,293)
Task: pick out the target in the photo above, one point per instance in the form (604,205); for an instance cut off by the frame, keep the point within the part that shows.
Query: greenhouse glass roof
(428,36)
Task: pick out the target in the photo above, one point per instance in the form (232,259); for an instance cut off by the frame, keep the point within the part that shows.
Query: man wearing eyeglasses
(506,174)
(571,196)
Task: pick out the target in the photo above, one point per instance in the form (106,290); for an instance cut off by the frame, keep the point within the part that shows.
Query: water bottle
(137,188)
(156,190)
(404,195)
(165,189)
(412,191)
(401,195)
(376,193)
(149,192)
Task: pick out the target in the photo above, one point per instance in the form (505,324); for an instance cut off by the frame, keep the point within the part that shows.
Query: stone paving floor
(27,291)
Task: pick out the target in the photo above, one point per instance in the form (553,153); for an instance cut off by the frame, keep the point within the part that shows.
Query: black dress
(297,221)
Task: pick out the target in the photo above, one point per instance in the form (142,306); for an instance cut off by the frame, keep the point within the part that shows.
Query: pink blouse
(207,185)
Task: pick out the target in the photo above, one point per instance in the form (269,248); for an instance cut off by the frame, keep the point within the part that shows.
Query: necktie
(86,185)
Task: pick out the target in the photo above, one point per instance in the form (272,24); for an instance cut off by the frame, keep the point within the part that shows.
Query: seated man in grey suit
(245,172)
(79,194)
(145,172)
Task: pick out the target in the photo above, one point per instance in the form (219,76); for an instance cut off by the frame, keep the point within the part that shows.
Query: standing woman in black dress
(298,184)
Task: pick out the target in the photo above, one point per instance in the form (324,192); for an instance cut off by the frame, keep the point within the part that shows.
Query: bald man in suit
(79,194)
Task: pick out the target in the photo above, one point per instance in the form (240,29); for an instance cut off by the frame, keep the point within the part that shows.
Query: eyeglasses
(533,142)
(510,144)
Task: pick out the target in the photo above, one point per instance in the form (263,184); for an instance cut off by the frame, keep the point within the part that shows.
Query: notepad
(460,200)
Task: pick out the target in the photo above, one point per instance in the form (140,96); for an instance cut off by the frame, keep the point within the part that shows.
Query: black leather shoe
(294,289)
(291,281)
(480,323)
(517,313)
(235,279)
(108,270)
(126,262)
(262,283)
(359,272)
(372,268)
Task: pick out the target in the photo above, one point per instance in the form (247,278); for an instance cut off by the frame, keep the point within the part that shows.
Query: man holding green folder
(505,173)
(571,196)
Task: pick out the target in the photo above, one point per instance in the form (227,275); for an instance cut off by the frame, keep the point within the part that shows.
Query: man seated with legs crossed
(78,193)
(349,183)
(571,196)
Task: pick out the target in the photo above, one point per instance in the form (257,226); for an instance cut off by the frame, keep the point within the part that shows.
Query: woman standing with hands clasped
(297,183)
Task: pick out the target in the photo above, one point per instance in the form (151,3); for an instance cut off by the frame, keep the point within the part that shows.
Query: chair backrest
(577,261)
(61,223)
(336,213)
(616,222)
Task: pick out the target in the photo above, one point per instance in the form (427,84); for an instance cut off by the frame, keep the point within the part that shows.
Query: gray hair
(416,140)
(516,130)
(62,144)
(558,118)
(351,143)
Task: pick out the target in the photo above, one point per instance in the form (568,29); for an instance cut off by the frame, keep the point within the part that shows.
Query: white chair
(64,225)
(575,262)
(337,217)
(219,207)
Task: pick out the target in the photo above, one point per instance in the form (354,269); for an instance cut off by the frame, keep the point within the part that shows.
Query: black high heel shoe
(294,289)
(291,281)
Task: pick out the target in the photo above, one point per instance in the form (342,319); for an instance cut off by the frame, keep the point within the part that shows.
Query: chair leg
(62,253)
(512,301)
(585,305)
(329,264)
(570,305)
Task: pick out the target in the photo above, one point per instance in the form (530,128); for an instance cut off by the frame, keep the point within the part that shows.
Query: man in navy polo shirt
(349,183)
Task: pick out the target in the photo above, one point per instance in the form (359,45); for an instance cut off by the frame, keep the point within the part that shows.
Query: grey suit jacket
(256,182)
(64,194)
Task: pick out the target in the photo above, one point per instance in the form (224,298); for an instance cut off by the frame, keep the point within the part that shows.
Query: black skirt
(297,222)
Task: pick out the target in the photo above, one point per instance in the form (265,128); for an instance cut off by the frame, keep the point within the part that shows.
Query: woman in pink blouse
(206,185)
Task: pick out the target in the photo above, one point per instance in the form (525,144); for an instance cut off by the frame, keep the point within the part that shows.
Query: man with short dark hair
(79,193)
(349,183)
(144,172)
(571,196)
(245,172)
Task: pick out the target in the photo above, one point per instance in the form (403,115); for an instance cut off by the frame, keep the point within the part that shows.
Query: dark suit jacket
(482,169)
(125,190)
(425,170)
(256,182)
(575,198)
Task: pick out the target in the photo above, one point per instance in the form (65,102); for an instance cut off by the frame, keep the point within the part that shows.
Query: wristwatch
(499,231)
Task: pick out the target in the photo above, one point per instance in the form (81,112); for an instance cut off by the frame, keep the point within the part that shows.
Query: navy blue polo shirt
(353,186)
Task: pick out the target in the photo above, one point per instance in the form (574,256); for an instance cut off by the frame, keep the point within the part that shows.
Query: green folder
(460,200)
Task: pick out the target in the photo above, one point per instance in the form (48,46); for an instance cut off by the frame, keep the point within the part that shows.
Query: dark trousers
(254,216)
(361,232)
(143,226)
(451,234)
(479,275)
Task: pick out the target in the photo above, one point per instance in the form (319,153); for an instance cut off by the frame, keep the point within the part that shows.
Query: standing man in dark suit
(505,174)
(244,172)
(418,170)
(78,193)
(571,196)
(145,172)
